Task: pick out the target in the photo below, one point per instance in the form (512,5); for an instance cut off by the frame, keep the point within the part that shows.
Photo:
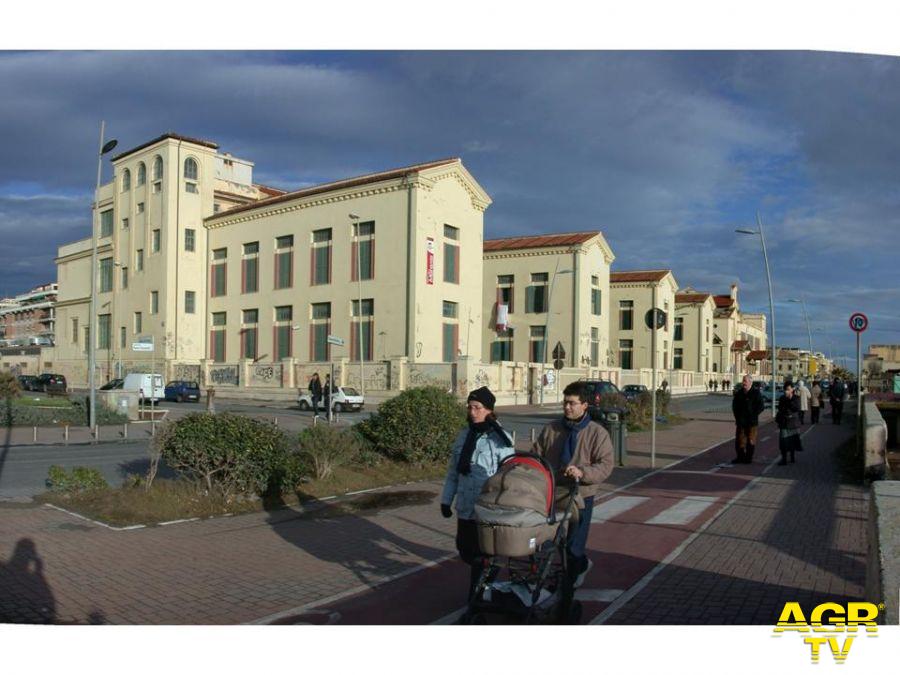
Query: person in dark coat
(746,405)
(315,392)
(837,400)
(788,421)
(326,392)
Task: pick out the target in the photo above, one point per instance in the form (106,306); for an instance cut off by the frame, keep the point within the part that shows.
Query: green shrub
(417,426)
(640,409)
(80,479)
(325,448)
(227,453)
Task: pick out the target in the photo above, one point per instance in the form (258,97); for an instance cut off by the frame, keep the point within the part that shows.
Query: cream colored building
(215,267)
(692,331)
(547,290)
(631,297)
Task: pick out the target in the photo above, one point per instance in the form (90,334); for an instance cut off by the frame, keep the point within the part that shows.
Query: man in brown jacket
(577,447)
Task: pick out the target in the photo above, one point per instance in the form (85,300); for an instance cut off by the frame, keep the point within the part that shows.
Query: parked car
(182,390)
(27,382)
(149,387)
(632,391)
(50,383)
(766,391)
(343,399)
(113,384)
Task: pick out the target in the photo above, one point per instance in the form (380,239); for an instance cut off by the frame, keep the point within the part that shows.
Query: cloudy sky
(665,152)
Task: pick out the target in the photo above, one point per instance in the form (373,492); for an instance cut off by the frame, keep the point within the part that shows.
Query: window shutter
(353,333)
(529,298)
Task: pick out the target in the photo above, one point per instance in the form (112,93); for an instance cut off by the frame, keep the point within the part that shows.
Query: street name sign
(335,340)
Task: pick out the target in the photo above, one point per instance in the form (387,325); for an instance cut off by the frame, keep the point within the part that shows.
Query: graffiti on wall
(265,375)
(376,376)
(224,375)
(431,375)
(186,371)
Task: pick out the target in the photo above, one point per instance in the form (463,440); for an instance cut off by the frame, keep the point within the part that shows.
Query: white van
(146,385)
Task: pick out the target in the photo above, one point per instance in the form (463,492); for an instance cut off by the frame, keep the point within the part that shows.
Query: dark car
(51,383)
(632,391)
(113,384)
(182,390)
(598,390)
(27,382)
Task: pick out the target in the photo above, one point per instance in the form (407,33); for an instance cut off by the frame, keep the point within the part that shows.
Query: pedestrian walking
(815,402)
(837,400)
(710,385)
(315,392)
(803,394)
(716,386)
(746,405)
(580,449)
(788,420)
(475,456)
(326,393)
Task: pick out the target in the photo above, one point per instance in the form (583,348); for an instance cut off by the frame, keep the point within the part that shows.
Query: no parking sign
(859,322)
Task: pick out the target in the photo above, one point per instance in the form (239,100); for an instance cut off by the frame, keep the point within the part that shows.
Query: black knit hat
(484,396)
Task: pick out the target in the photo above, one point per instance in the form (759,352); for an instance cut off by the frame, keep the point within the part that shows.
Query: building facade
(692,331)
(29,317)
(631,297)
(540,291)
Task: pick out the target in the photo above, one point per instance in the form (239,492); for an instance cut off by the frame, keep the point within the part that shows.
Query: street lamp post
(802,302)
(762,240)
(556,272)
(92,320)
(362,385)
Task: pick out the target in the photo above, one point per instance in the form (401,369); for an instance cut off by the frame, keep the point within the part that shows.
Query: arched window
(190,169)
(157,168)
(142,174)
(126,180)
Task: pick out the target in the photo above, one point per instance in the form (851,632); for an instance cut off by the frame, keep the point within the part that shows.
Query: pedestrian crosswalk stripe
(684,511)
(614,507)
(598,594)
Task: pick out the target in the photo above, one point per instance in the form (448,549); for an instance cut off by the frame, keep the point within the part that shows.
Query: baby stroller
(523,530)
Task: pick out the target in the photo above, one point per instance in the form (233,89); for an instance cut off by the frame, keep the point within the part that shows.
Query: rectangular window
(505,286)
(140,207)
(124,223)
(665,359)
(138,323)
(363,250)
(451,263)
(321,257)
(679,359)
(679,328)
(218,318)
(124,278)
(536,344)
(104,329)
(218,273)
(319,348)
(87,339)
(190,239)
(249,334)
(190,299)
(283,332)
(451,232)
(155,241)
(626,349)
(154,302)
(536,294)
(626,315)
(191,187)
(502,347)
(284,262)
(106,223)
(595,347)
(106,275)
(123,337)
(595,296)
(250,268)
(450,310)
(362,315)
(139,260)
(217,337)
(450,342)
(75,331)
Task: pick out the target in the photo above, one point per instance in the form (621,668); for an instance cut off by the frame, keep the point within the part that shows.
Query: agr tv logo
(829,622)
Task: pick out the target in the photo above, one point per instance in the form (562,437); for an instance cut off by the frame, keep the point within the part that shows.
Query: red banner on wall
(429,261)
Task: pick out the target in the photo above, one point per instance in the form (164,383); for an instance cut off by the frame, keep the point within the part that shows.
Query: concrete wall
(883,559)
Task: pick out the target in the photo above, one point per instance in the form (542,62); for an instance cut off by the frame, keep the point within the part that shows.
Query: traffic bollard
(35,434)
(125,430)
(533,437)
(96,432)
(66,434)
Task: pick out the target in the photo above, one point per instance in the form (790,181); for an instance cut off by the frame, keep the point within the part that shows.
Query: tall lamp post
(802,302)
(762,239)
(362,385)
(92,321)
(556,273)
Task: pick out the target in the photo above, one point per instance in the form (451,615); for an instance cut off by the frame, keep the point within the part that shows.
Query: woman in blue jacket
(477,452)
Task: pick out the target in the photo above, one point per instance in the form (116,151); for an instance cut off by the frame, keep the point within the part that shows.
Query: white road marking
(614,507)
(683,511)
(598,594)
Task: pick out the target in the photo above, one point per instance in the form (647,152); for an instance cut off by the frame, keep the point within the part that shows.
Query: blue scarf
(574,426)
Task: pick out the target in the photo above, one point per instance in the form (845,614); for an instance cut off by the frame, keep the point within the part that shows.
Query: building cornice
(74,301)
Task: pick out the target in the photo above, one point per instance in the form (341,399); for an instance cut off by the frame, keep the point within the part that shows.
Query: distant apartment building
(631,297)
(29,318)
(692,331)
(215,267)
(544,290)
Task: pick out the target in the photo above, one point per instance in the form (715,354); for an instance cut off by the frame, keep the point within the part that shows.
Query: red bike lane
(634,529)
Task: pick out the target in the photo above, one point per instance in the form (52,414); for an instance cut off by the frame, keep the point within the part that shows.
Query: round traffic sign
(655,318)
(859,322)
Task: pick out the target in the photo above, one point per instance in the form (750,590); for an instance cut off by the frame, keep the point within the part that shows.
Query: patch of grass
(169,500)
(672,420)
(30,401)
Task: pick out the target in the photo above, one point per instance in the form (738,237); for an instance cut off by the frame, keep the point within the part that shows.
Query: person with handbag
(788,421)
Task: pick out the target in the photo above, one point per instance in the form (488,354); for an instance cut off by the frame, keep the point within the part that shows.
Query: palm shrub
(418,426)
(229,454)
(322,449)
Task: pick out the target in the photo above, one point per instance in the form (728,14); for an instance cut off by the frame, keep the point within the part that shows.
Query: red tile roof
(177,137)
(739,345)
(637,275)
(272,192)
(758,355)
(691,298)
(336,185)
(723,301)
(539,241)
